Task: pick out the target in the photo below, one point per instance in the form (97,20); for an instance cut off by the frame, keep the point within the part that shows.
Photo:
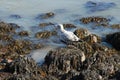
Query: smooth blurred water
(66,11)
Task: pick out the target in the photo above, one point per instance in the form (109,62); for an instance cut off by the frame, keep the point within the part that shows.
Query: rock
(92,38)
(100,63)
(65,25)
(5,37)
(81,33)
(72,75)
(17,47)
(15,26)
(24,68)
(117,75)
(4,75)
(45,34)
(97,20)
(23,33)
(46,15)
(98,6)
(99,47)
(115,26)
(86,36)
(69,25)
(6,28)
(15,16)
(114,39)
(45,24)
(100,66)
(84,46)
(62,60)
(38,46)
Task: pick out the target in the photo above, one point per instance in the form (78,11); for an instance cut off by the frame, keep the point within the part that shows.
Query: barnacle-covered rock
(38,46)
(84,46)
(62,60)
(6,28)
(23,33)
(45,24)
(45,15)
(25,68)
(5,37)
(69,25)
(82,33)
(115,26)
(4,75)
(92,38)
(45,34)
(96,21)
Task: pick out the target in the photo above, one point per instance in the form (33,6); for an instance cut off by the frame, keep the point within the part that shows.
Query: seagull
(64,35)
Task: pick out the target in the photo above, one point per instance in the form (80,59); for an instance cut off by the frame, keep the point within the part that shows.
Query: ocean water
(66,11)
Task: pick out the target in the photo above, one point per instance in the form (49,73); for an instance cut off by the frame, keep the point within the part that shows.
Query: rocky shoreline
(86,60)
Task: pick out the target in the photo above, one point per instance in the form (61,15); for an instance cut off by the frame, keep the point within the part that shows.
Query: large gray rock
(114,39)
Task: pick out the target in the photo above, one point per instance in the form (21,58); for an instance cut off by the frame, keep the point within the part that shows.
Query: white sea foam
(39,55)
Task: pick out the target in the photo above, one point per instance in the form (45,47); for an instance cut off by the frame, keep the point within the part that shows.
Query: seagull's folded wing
(64,37)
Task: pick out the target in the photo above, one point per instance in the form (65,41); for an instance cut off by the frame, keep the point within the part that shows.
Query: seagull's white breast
(67,35)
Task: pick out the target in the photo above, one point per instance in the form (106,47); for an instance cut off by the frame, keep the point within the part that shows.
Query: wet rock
(82,33)
(101,62)
(99,47)
(4,75)
(63,60)
(84,46)
(46,15)
(86,36)
(6,28)
(15,16)
(18,47)
(45,24)
(38,46)
(72,75)
(5,37)
(3,51)
(100,21)
(114,39)
(100,66)
(45,34)
(24,68)
(69,26)
(115,26)
(15,26)
(2,65)
(99,6)
(117,75)
(23,33)
(92,38)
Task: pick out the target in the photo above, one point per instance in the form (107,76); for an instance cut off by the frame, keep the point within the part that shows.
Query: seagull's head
(59,27)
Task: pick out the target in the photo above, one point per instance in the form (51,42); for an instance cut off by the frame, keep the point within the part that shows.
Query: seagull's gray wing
(64,38)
